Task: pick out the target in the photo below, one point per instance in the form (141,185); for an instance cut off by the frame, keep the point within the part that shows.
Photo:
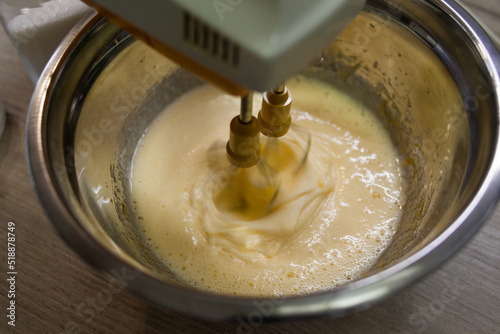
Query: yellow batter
(331,218)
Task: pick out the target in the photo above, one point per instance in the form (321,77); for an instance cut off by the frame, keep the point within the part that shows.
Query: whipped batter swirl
(255,212)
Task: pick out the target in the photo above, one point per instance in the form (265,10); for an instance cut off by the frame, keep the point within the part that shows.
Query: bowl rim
(354,296)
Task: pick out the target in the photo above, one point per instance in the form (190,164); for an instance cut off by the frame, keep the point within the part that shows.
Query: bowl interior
(416,78)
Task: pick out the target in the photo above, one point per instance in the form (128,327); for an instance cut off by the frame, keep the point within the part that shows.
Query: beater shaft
(246,108)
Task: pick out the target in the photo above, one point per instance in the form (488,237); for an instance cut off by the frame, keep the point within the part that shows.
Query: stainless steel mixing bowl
(428,70)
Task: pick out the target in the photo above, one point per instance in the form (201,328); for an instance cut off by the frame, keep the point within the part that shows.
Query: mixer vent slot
(208,40)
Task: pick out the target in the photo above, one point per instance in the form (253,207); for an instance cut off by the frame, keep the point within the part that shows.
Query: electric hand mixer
(240,46)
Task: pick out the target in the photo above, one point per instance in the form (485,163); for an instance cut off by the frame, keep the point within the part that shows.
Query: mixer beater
(243,147)
(254,181)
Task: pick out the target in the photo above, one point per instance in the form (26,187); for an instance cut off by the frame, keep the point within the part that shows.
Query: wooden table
(463,296)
